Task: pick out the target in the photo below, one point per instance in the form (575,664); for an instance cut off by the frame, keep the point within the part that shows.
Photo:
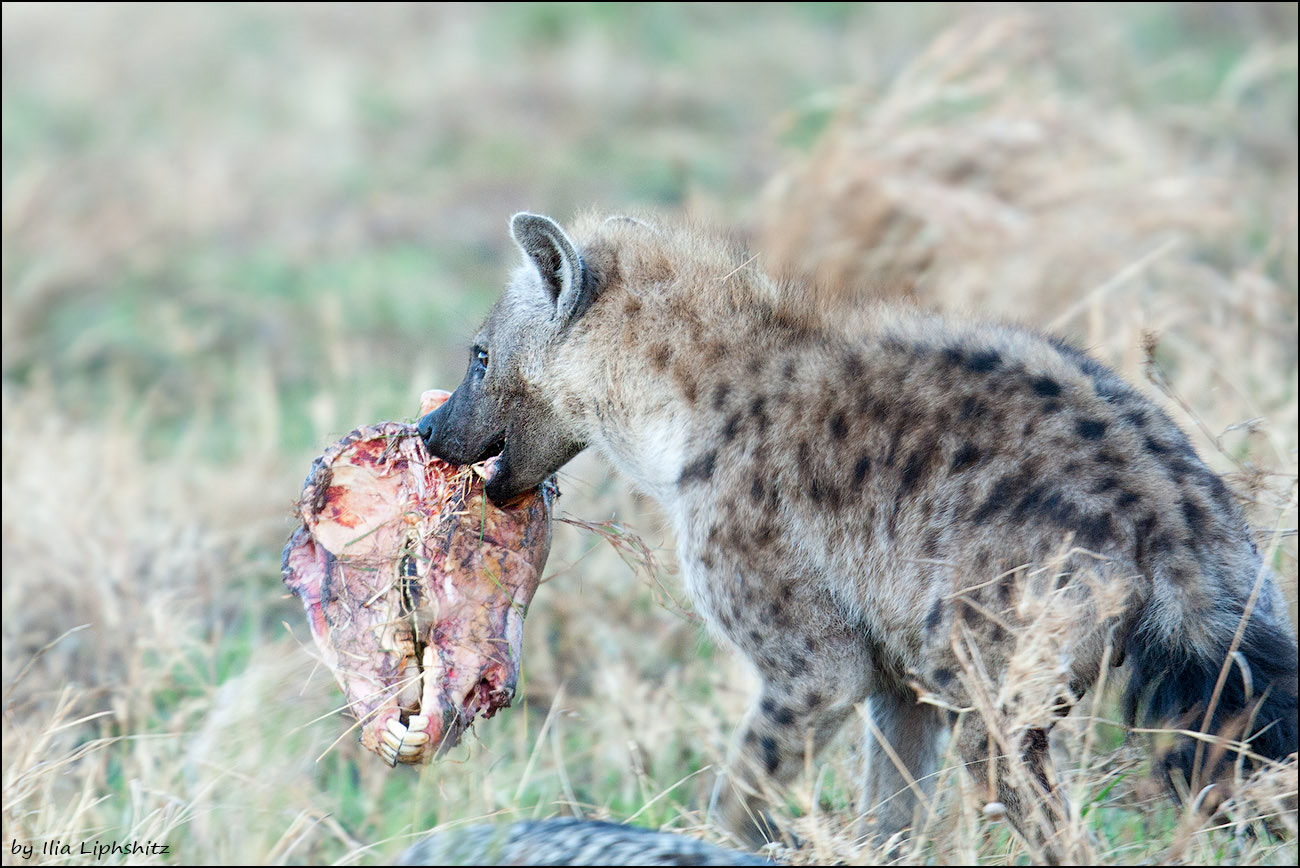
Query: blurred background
(232,233)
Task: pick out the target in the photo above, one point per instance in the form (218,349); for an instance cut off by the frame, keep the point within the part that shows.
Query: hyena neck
(643,438)
(680,314)
(646,376)
(651,459)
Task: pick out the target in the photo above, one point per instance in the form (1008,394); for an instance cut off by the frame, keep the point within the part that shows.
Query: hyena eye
(481,356)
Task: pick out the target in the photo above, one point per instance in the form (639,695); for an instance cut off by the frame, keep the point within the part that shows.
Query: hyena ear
(553,254)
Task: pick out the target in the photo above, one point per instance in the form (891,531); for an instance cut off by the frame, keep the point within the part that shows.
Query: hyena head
(498,407)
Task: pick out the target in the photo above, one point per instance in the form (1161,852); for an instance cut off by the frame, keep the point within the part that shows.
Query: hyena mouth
(494,448)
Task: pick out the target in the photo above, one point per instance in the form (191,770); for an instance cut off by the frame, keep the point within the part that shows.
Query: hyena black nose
(426,430)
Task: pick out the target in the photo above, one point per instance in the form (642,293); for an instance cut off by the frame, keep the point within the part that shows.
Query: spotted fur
(857,498)
(568,841)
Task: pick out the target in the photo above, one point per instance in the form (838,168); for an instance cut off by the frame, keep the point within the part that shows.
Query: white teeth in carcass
(400,744)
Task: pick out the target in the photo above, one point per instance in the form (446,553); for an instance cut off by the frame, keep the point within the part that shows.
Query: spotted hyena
(859,502)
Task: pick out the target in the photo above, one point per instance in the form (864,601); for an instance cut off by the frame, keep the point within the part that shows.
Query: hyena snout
(426,428)
(445,435)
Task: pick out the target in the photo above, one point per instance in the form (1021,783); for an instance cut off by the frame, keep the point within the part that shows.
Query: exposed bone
(414,585)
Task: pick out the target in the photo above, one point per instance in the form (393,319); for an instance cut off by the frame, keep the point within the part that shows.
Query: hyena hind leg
(912,733)
(810,686)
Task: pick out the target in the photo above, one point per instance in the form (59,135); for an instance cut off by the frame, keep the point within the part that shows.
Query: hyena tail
(1173,677)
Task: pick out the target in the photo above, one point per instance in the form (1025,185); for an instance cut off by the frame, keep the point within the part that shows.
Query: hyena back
(858,499)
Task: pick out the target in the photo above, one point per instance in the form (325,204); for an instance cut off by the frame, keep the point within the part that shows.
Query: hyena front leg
(797,710)
(907,734)
(813,670)
(1021,783)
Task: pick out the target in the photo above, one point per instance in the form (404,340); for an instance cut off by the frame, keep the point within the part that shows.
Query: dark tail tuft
(1174,684)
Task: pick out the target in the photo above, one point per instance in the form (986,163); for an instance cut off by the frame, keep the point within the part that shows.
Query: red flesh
(376,503)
